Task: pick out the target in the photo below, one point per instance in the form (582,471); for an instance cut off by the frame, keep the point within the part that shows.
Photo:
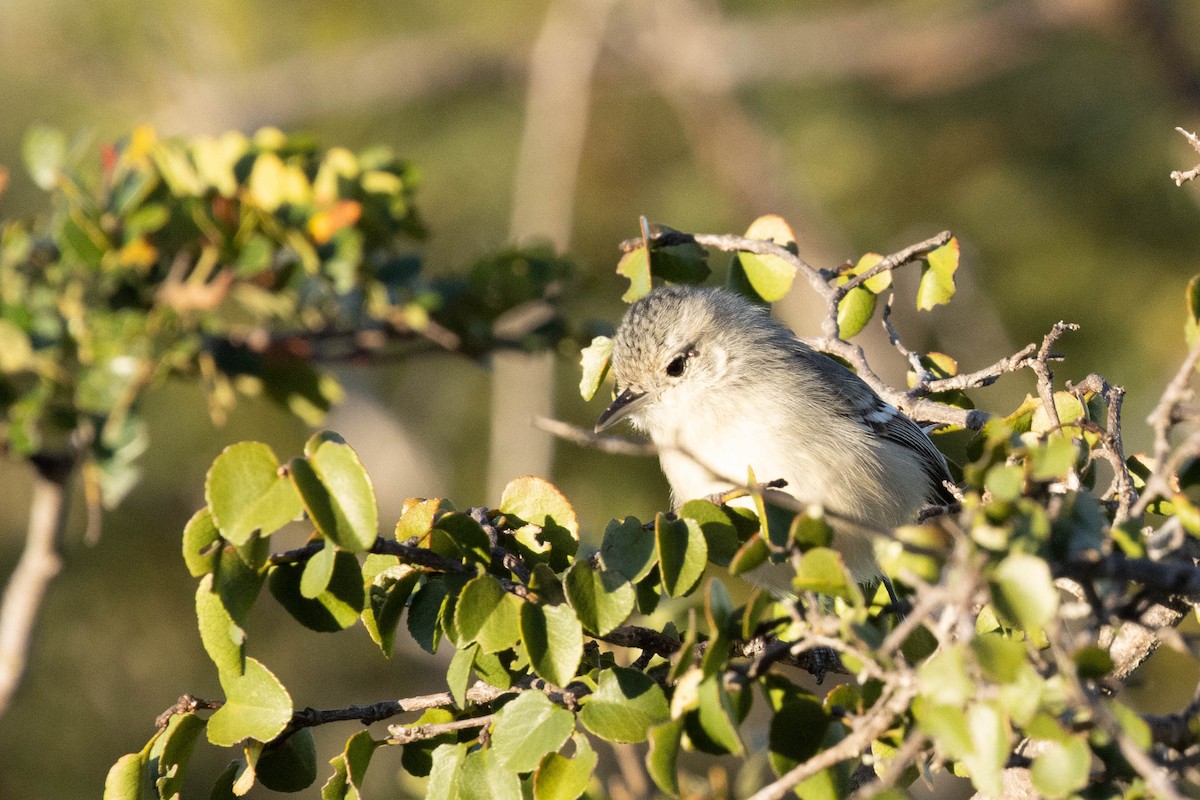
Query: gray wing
(861,403)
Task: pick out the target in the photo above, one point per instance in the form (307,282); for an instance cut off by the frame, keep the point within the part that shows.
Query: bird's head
(672,348)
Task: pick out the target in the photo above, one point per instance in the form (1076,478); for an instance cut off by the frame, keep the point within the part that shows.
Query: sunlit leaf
(937,276)
(528,728)
(257,706)
(594,361)
(624,706)
(553,637)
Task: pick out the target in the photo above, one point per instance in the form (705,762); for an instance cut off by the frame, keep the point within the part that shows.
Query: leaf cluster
(239,262)
(1018,607)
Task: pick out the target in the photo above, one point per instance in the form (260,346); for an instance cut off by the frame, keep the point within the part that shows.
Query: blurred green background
(1039,132)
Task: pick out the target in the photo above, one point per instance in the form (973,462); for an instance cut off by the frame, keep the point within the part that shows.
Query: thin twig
(869,727)
(596,441)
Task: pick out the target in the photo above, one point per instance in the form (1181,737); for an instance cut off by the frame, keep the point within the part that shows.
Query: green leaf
(937,276)
(318,570)
(445,772)
(349,768)
(1001,658)
(528,728)
(750,556)
(601,599)
(822,571)
(417,758)
(223,639)
(459,672)
(44,151)
(1006,481)
(854,312)
(124,779)
(682,554)
(625,705)
(1191,326)
(553,638)
(539,502)
(562,778)
(387,599)
(713,726)
(425,612)
(336,608)
(289,766)
(990,742)
(171,751)
(797,731)
(766,277)
(720,533)
(635,265)
(257,706)
(1061,769)
(1053,459)
(418,518)
(338,495)
(486,613)
(246,492)
(1023,591)
(238,578)
(628,549)
(482,777)
(1092,662)
(663,757)
(200,544)
(468,536)
(594,361)
(944,679)
(1132,723)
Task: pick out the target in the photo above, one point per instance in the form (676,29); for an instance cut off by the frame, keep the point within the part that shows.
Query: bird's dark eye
(679,363)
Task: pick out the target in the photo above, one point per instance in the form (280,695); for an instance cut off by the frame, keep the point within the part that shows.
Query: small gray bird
(720,387)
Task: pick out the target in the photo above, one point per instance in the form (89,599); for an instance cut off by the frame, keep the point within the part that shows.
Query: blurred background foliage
(1039,131)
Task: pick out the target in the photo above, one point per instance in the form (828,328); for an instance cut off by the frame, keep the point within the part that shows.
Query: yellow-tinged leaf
(770,276)
(773,228)
(594,361)
(635,265)
(937,278)
(1069,407)
(1191,326)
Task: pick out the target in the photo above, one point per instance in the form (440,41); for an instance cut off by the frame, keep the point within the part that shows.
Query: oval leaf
(682,554)
(527,729)
(628,549)
(553,638)
(625,705)
(594,361)
(246,493)
(602,599)
(257,706)
(562,778)
(486,613)
(937,276)
(338,495)
(1023,591)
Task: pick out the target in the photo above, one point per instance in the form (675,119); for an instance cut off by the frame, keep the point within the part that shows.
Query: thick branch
(40,562)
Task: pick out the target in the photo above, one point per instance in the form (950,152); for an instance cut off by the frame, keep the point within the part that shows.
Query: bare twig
(40,562)
(401,734)
(596,441)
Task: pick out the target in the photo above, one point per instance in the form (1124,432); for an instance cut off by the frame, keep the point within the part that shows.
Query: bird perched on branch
(721,387)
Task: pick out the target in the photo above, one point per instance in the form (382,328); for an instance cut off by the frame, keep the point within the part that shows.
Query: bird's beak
(624,404)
